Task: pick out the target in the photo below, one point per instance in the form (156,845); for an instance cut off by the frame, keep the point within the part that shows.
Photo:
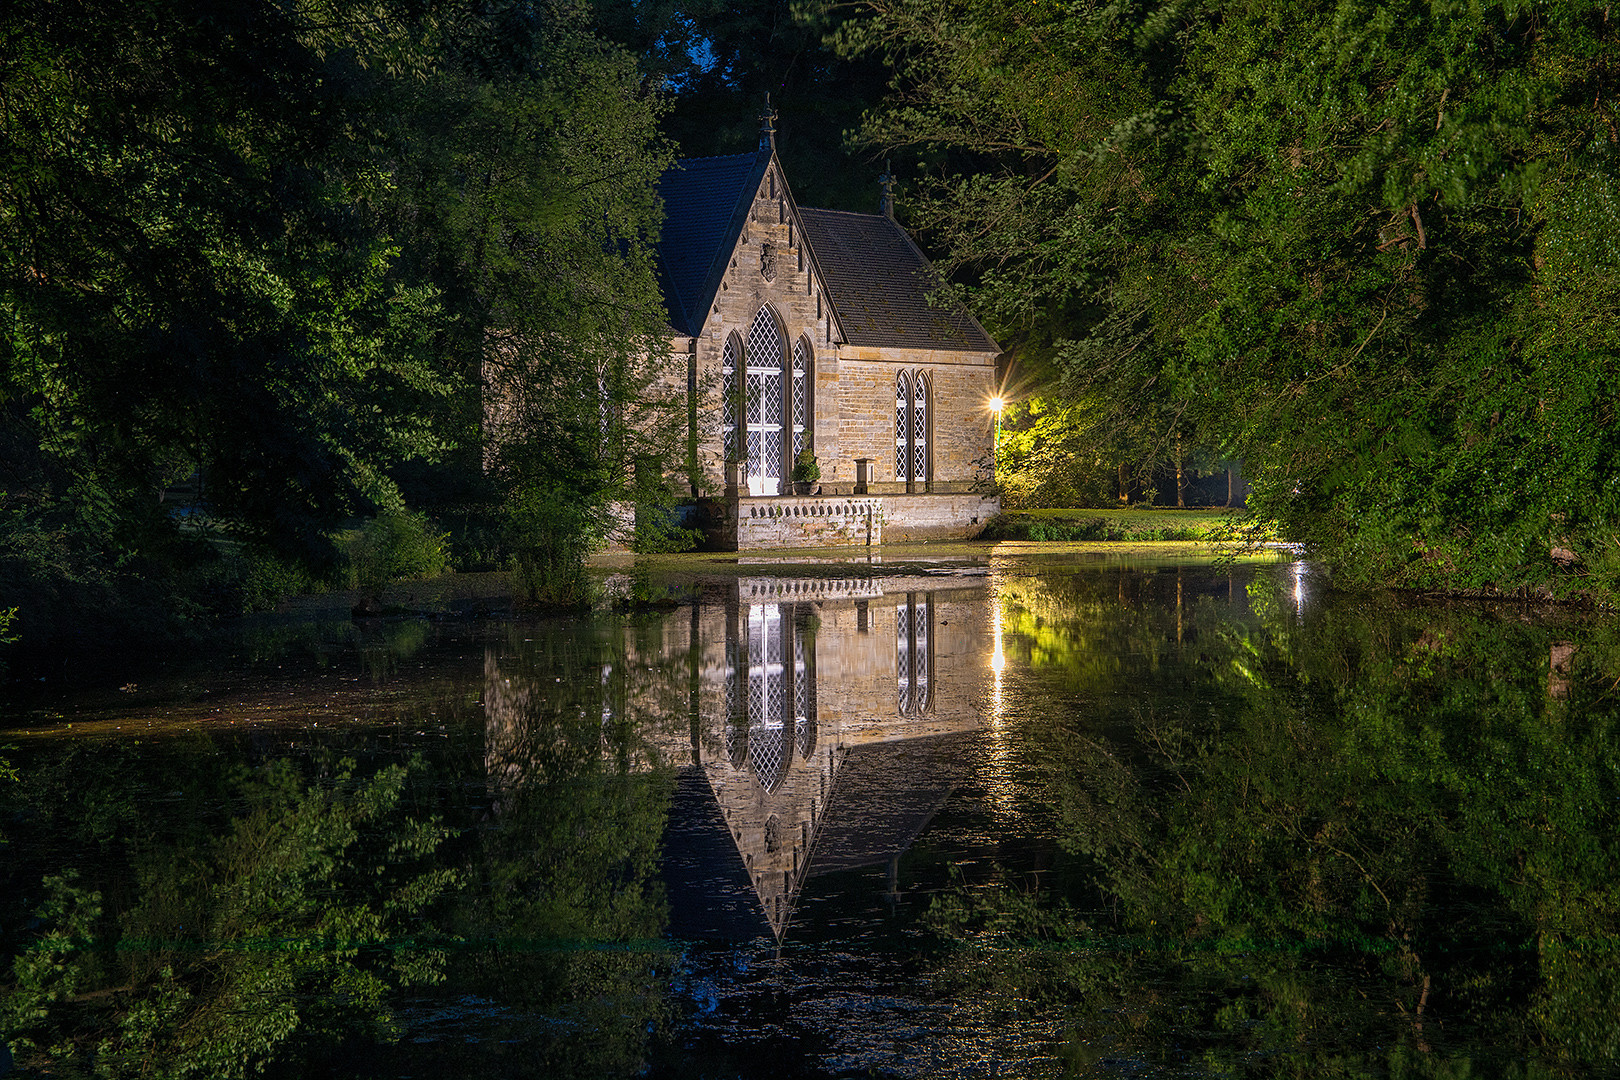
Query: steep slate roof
(705,201)
(876,279)
(879,281)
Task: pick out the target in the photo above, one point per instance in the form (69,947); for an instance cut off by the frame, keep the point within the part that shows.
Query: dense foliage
(252,261)
(1368,247)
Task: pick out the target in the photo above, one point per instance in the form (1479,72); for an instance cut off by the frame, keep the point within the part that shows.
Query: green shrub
(396,545)
(549,534)
(268,579)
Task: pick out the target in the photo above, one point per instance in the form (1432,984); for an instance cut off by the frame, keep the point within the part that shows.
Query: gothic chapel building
(812,329)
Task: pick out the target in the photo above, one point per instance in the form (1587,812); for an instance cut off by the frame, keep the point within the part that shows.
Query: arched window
(729,387)
(763,402)
(911,450)
(803,397)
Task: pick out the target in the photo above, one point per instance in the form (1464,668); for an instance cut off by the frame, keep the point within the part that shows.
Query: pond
(1013,816)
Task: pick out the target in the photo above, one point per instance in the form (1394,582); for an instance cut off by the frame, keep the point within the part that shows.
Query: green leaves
(1302,234)
(193,279)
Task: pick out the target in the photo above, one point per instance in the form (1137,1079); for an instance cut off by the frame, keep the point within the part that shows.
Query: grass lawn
(1211,524)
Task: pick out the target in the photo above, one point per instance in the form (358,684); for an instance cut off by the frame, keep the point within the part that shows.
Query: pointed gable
(705,203)
(877,281)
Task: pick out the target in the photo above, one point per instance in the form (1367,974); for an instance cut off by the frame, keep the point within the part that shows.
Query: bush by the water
(396,545)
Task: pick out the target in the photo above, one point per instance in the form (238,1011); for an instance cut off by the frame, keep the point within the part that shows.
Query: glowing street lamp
(997,403)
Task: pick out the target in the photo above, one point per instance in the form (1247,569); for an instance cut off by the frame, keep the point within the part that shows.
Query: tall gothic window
(763,401)
(911,457)
(803,399)
(728,395)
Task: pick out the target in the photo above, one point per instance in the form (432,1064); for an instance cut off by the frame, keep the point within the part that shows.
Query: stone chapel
(814,329)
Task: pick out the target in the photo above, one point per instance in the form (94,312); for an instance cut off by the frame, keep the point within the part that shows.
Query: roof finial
(887,180)
(767,126)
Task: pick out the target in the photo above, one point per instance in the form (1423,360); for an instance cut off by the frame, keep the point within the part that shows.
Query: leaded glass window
(728,396)
(902,424)
(802,388)
(911,427)
(765,411)
(919,427)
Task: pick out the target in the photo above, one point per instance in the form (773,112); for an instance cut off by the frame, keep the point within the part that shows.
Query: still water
(1024,817)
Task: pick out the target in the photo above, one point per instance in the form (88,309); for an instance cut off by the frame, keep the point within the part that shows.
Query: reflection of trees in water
(1372,836)
(272,934)
(571,861)
(257,906)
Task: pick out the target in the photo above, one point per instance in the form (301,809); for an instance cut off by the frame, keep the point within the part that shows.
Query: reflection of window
(914,654)
(768,727)
(804,697)
(770,694)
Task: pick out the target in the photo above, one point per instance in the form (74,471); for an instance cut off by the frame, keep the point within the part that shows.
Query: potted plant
(806,472)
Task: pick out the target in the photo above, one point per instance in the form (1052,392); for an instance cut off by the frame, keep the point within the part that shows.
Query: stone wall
(936,517)
(960,425)
(788,521)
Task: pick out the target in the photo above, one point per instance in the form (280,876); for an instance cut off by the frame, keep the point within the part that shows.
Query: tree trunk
(1181,480)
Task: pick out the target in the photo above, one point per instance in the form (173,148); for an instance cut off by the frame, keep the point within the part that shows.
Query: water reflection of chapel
(820,732)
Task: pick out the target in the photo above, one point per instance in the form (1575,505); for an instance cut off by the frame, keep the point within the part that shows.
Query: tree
(266,254)
(191,279)
(1331,236)
(529,192)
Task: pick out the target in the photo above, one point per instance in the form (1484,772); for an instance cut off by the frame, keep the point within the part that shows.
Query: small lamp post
(997,403)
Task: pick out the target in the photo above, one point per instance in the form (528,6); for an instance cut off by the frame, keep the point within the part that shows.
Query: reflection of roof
(884,797)
(879,283)
(703,202)
(710,894)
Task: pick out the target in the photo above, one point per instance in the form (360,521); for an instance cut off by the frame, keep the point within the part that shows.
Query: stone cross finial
(767,126)
(887,180)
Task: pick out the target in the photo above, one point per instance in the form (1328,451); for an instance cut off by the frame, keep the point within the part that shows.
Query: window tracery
(912,457)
